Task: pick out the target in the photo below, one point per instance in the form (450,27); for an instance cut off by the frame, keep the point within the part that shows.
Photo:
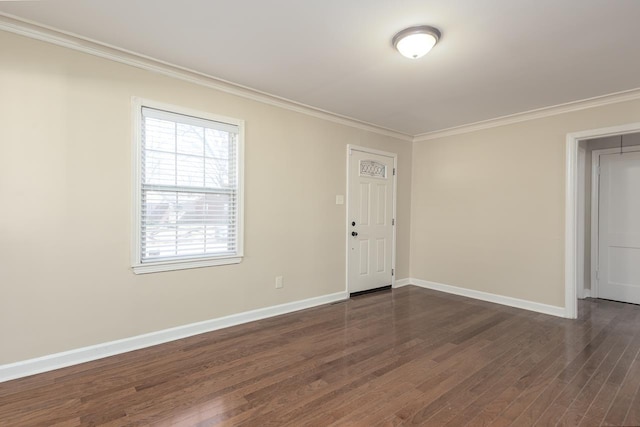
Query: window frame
(137,265)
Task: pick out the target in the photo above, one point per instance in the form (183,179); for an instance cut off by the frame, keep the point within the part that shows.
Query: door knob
(354,233)
(353,223)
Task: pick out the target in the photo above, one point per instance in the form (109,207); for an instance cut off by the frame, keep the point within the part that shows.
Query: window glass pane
(216,144)
(190,226)
(159,135)
(190,139)
(159,168)
(217,173)
(183,224)
(220,222)
(159,224)
(190,171)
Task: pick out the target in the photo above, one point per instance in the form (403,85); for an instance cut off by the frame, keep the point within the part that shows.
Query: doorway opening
(587,153)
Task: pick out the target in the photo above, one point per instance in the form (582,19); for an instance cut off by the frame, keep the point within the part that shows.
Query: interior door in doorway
(371,222)
(619,227)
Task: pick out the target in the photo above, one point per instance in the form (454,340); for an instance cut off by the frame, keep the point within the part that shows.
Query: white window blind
(189,188)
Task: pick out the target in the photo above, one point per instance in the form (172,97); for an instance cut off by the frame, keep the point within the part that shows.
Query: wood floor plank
(624,397)
(601,403)
(531,355)
(537,374)
(633,415)
(574,413)
(562,401)
(536,399)
(409,356)
(548,380)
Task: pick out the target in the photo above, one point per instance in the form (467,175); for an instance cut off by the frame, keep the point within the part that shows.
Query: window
(188,196)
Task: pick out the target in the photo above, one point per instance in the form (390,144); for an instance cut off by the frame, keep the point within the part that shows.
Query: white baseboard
(401,282)
(86,354)
(485,296)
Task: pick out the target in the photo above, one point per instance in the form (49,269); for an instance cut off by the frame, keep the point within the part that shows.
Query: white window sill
(155,267)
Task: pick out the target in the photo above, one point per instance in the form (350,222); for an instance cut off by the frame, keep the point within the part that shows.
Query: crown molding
(554,110)
(16,25)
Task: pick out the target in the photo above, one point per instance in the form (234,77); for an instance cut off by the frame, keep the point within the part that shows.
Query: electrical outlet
(279,282)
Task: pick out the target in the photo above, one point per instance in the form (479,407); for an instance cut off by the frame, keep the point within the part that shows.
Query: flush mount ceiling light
(415,42)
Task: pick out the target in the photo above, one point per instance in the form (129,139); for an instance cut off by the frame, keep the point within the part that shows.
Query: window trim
(136,244)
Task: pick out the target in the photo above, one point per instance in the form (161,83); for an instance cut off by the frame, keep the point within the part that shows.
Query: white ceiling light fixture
(415,42)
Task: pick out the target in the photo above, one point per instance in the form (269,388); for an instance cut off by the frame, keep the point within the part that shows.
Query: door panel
(380,255)
(363,213)
(619,227)
(364,257)
(370,208)
(381,217)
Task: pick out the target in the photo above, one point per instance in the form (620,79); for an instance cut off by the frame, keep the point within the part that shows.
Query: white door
(619,227)
(371,222)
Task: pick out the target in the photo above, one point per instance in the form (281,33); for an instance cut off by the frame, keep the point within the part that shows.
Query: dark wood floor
(405,357)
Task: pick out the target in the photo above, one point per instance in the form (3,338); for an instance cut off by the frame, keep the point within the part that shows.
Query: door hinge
(393,221)
(394,171)
(597,274)
(393,271)
(598,170)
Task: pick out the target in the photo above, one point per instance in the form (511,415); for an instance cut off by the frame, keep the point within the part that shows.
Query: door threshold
(369,291)
(615,300)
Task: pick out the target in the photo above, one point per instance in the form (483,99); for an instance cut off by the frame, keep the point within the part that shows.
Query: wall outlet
(279,282)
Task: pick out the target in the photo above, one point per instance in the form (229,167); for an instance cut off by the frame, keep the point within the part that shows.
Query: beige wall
(488,206)
(65,222)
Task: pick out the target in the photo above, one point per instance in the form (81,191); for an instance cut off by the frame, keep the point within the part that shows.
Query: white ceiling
(495,58)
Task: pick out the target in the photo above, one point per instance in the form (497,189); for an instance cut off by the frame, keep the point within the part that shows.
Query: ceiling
(495,58)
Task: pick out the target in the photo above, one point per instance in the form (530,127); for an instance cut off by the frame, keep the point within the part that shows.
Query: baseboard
(86,354)
(401,282)
(586,293)
(498,299)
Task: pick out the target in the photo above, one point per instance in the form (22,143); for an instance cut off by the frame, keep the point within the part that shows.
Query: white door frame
(347,217)
(595,210)
(574,211)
